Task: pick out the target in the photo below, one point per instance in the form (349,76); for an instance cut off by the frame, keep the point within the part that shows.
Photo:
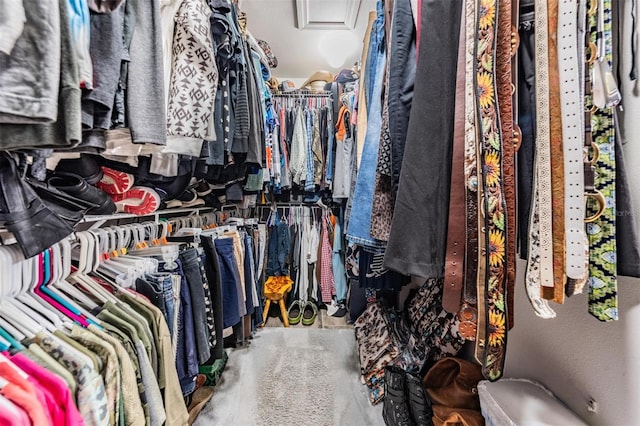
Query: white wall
(575,355)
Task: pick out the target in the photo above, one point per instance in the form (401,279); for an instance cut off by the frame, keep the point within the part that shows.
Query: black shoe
(76,186)
(212,201)
(86,167)
(395,409)
(419,401)
(68,207)
(202,188)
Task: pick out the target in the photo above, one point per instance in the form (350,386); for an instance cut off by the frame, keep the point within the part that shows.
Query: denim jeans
(158,289)
(339,273)
(191,269)
(212,268)
(229,280)
(359,226)
(249,276)
(186,353)
(279,245)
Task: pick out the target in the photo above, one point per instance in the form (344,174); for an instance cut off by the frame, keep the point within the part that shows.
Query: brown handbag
(452,386)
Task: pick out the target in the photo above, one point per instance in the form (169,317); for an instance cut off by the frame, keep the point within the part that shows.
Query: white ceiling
(301,52)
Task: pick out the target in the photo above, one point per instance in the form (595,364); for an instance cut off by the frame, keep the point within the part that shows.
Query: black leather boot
(419,402)
(395,410)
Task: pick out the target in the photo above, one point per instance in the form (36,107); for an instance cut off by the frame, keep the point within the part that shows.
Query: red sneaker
(140,200)
(114,182)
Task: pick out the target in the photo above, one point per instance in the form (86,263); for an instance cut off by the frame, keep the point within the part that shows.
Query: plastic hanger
(61,302)
(17,287)
(15,319)
(26,297)
(4,344)
(88,262)
(64,263)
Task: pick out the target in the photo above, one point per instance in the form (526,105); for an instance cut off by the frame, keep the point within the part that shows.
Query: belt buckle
(602,203)
(596,154)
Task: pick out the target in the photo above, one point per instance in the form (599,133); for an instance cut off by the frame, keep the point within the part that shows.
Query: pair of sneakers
(194,196)
(302,312)
(138,200)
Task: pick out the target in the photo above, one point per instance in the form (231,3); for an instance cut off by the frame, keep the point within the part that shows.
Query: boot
(419,401)
(395,410)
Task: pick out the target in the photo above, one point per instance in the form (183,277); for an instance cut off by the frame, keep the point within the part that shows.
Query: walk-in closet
(319,212)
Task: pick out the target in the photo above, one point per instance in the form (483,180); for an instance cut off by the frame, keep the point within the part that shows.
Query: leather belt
(543,153)
(456,232)
(601,226)
(576,285)
(493,203)
(481,329)
(572,138)
(504,52)
(555,293)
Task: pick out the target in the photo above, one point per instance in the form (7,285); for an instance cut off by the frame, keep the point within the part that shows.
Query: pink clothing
(56,387)
(27,401)
(12,415)
(327,282)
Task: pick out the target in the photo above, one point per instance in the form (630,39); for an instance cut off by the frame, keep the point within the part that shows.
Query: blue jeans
(186,352)
(279,244)
(228,273)
(248,274)
(359,226)
(158,289)
(191,269)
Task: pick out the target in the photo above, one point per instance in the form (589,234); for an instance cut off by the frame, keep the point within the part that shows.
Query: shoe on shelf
(115,182)
(212,201)
(309,313)
(295,312)
(140,200)
(203,188)
(86,167)
(189,198)
(174,204)
(77,187)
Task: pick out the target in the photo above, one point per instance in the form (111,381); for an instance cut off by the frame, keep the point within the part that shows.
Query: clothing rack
(301,94)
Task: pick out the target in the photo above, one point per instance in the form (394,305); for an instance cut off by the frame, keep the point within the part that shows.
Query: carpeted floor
(294,377)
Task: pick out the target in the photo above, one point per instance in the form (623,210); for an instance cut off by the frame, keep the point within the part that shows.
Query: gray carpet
(293,377)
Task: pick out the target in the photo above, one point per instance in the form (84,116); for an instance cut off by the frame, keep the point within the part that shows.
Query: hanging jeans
(191,269)
(186,351)
(212,268)
(229,280)
(359,226)
(158,289)
(279,244)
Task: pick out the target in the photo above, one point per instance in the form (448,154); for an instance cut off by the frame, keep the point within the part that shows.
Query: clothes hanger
(12,311)
(4,344)
(54,295)
(19,285)
(64,286)
(80,277)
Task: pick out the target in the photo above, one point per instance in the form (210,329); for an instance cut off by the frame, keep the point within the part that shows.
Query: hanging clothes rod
(301,95)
